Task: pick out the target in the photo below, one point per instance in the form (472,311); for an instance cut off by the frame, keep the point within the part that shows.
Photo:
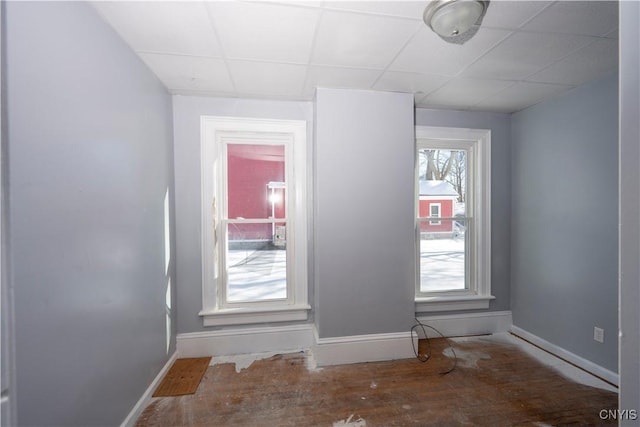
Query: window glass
(443,260)
(434,212)
(256,269)
(256,261)
(256,181)
(443,255)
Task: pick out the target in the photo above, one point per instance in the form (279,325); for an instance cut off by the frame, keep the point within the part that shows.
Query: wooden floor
(493,384)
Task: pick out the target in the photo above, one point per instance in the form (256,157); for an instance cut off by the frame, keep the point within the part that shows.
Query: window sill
(453,302)
(244,316)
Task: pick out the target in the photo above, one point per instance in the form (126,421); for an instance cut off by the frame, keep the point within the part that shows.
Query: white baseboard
(334,351)
(566,355)
(245,341)
(363,348)
(146,397)
(459,325)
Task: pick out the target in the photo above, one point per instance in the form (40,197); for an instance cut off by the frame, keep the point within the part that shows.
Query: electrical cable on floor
(425,357)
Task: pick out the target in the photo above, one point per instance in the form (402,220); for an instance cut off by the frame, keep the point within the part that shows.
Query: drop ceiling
(523,53)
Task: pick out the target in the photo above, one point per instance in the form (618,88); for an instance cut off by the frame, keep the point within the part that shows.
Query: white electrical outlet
(598,334)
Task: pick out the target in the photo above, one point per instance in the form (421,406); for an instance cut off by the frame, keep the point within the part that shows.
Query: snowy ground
(442,264)
(258,275)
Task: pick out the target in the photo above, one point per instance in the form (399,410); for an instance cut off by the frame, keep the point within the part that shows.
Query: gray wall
(90,161)
(7,366)
(363,212)
(499,124)
(629,207)
(564,222)
(187,111)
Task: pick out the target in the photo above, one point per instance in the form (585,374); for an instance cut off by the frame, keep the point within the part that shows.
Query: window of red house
(434,212)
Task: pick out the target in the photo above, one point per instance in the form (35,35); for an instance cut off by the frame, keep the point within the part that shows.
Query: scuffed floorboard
(494,384)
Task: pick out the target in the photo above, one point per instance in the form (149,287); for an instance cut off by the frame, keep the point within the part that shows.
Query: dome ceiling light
(455,21)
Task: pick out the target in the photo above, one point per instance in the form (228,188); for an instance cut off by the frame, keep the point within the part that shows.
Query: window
(453,252)
(434,212)
(253,220)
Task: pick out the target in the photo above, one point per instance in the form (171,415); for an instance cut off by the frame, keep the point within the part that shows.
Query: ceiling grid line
(523,53)
(415,33)
(311,50)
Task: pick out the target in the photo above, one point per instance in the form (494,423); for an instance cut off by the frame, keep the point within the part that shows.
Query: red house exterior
(255,189)
(437,199)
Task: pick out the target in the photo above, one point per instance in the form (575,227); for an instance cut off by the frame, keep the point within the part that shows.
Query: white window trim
(213,130)
(480,295)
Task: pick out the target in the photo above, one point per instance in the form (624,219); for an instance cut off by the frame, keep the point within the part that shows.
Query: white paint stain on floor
(310,362)
(351,422)
(466,359)
(243,361)
(562,367)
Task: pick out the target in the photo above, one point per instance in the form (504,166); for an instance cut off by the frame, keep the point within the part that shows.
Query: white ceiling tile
(406,9)
(268,78)
(593,18)
(265,47)
(420,84)
(465,92)
(523,54)
(521,95)
(262,31)
(337,77)
(162,27)
(587,63)
(512,14)
(190,73)
(429,54)
(361,41)
(305,3)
